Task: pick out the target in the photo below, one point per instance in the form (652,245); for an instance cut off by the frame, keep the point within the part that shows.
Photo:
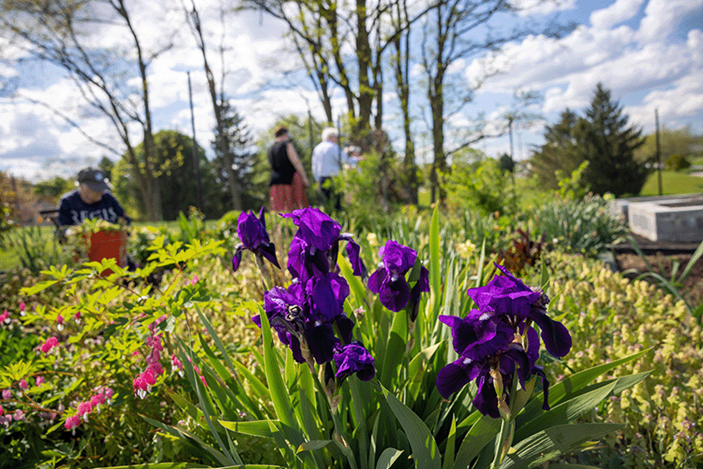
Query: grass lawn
(672,183)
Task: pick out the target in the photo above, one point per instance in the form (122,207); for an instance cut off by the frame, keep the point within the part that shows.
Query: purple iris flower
(305,316)
(315,246)
(353,358)
(389,280)
(507,295)
(252,233)
(498,339)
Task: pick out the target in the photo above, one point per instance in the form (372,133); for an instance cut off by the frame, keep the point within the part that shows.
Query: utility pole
(659,165)
(196,161)
(510,133)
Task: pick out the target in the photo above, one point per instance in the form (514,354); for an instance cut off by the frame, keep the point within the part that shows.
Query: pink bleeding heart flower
(50,343)
(84,408)
(72,422)
(97,400)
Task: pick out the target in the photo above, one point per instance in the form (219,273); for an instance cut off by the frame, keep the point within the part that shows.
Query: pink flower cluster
(176,365)
(102,396)
(6,419)
(144,381)
(5,317)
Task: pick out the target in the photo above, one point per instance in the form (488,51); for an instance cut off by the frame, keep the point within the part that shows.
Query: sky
(649,53)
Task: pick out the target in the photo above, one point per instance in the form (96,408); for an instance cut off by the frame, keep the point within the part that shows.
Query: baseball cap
(94,179)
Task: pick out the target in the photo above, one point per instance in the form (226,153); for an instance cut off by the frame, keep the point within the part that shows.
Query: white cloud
(542,7)
(662,17)
(627,61)
(621,10)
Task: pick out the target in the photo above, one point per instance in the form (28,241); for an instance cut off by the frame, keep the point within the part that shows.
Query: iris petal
(377,279)
(556,337)
(394,295)
(452,378)
(237,258)
(321,341)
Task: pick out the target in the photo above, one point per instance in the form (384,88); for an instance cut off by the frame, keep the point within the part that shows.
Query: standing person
(288,180)
(327,160)
(91,200)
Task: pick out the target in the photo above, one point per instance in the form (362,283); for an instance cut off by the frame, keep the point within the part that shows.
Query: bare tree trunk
(402,71)
(363,59)
(149,175)
(194,21)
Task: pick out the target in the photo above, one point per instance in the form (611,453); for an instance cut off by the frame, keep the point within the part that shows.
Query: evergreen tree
(603,139)
(506,163)
(560,153)
(238,144)
(609,146)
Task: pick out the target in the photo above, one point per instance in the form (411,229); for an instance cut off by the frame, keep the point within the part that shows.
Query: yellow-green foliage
(610,317)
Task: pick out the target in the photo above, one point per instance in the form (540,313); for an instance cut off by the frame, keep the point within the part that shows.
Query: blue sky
(649,53)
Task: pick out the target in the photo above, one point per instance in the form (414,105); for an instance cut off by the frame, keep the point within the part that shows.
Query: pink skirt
(285,198)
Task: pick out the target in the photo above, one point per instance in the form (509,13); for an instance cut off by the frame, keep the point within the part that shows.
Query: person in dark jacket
(288,182)
(90,201)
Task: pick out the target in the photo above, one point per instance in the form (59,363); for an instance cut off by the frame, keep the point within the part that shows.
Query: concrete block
(671,220)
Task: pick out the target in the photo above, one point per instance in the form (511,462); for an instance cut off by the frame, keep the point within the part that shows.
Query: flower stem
(264,272)
(507,427)
(338,427)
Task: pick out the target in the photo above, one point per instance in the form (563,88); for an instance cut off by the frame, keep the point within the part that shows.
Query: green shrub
(482,186)
(373,189)
(585,226)
(677,162)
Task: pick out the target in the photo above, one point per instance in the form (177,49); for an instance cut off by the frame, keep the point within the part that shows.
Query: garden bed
(663,264)
(663,258)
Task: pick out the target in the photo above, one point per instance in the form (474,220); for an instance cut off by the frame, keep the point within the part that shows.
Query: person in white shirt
(327,160)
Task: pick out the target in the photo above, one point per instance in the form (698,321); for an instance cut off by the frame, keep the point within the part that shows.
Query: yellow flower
(465,249)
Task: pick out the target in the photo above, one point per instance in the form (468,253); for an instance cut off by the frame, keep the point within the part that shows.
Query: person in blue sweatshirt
(91,200)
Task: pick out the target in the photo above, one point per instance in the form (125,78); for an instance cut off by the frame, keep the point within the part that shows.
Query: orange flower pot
(108,244)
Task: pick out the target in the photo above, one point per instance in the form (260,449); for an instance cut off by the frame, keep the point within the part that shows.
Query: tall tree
(602,138)
(63,32)
(324,31)
(458,30)
(609,144)
(219,104)
(177,183)
(401,64)
(560,152)
(235,157)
